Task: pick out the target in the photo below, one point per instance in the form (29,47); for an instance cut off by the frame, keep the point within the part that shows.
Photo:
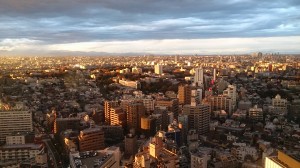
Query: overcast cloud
(54,26)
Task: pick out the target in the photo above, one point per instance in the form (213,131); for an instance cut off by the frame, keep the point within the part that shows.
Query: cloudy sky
(95,27)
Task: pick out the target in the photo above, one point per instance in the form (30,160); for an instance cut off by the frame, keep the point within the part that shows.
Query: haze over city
(81,27)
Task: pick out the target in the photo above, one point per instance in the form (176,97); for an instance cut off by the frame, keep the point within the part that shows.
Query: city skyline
(44,28)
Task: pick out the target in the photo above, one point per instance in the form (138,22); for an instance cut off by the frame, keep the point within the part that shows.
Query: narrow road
(53,153)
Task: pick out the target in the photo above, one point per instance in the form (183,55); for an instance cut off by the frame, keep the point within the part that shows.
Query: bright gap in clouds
(287,44)
(187,46)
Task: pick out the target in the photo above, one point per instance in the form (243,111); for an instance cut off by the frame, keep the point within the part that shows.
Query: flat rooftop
(89,159)
(21,146)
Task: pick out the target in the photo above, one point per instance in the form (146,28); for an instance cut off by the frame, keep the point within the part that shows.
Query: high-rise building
(221,102)
(14,121)
(184,94)
(91,139)
(149,105)
(117,116)
(183,123)
(149,125)
(134,113)
(125,101)
(198,117)
(107,106)
(131,144)
(199,79)
(279,106)
(163,114)
(256,113)
(231,92)
(62,124)
(155,146)
(170,104)
(196,97)
(215,75)
(158,69)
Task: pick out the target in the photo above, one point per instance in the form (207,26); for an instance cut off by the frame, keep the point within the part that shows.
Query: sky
(100,27)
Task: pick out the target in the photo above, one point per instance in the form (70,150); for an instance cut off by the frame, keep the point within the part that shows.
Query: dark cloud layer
(56,21)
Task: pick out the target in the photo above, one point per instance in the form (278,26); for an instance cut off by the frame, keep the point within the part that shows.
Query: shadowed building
(91,139)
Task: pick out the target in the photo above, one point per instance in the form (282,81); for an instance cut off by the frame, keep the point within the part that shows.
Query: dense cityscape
(149,84)
(167,111)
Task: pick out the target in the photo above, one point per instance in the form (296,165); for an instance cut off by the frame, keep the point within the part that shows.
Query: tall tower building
(184,94)
(196,97)
(231,92)
(107,108)
(198,117)
(158,69)
(198,79)
(215,74)
(14,121)
(134,113)
(183,122)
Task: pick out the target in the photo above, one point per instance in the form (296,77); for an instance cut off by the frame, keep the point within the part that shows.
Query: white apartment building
(279,106)
(242,152)
(132,84)
(14,121)
(20,151)
(231,92)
